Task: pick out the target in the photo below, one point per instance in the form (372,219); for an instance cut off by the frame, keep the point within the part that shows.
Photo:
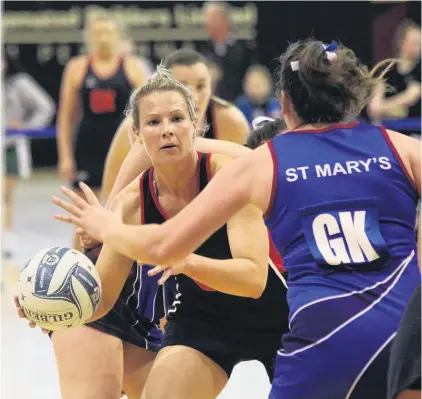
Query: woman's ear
(134,135)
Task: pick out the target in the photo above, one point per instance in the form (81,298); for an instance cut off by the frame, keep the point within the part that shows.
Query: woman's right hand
(67,169)
(86,241)
(21,314)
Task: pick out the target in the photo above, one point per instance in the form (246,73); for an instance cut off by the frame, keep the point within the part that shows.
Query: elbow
(256,290)
(259,284)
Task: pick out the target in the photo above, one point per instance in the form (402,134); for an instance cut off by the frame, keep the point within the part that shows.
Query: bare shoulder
(231,123)
(402,139)
(405,145)
(127,203)
(76,68)
(79,61)
(409,150)
(218,161)
(227,112)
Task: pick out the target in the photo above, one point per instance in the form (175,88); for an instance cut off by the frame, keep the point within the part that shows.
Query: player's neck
(177,178)
(105,57)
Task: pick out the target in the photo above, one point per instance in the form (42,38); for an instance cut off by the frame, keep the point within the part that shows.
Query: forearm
(221,147)
(240,277)
(64,135)
(136,162)
(113,270)
(141,243)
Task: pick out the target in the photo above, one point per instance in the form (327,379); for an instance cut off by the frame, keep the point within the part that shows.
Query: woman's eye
(178,118)
(201,87)
(153,122)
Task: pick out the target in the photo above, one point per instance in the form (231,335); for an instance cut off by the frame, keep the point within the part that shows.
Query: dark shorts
(225,346)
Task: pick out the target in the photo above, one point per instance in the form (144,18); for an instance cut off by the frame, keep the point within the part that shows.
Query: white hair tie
(260,120)
(330,51)
(294,65)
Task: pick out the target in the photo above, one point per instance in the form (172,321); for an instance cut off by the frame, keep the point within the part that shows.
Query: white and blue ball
(59,288)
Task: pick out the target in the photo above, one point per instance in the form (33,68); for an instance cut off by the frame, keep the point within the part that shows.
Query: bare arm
(245,274)
(410,152)
(124,163)
(113,267)
(247,179)
(68,102)
(118,173)
(65,119)
(222,147)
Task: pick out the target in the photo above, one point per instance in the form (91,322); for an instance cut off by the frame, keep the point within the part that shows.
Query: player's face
(104,36)
(198,77)
(165,127)
(257,86)
(411,46)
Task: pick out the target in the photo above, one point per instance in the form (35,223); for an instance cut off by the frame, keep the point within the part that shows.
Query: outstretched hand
(87,214)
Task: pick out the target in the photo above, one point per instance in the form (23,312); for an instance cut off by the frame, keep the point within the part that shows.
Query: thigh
(90,364)
(180,372)
(137,364)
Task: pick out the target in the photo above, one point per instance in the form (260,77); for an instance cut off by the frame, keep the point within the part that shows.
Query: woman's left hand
(88,214)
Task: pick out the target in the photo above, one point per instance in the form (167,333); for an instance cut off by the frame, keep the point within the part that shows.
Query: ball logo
(48,317)
(51,259)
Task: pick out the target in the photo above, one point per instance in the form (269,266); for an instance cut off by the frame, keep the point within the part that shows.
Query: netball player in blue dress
(340,201)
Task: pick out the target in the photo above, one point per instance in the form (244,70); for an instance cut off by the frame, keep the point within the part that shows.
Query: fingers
(21,314)
(167,273)
(17,303)
(73,209)
(89,194)
(67,219)
(155,271)
(75,198)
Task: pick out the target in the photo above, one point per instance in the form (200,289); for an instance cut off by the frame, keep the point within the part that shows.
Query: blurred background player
(403,99)
(100,84)
(257,99)
(233,57)
(26,105)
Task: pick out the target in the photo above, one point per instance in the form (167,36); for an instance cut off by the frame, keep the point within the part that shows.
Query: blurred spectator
(404,374)
(232,56)
(257,99)
(25,106)
(404,77)
(215,72)
(127,48)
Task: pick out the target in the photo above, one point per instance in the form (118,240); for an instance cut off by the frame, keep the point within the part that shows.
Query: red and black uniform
(226,328)
(103,101)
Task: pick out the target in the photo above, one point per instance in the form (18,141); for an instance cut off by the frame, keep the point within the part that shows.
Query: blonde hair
(160,81)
